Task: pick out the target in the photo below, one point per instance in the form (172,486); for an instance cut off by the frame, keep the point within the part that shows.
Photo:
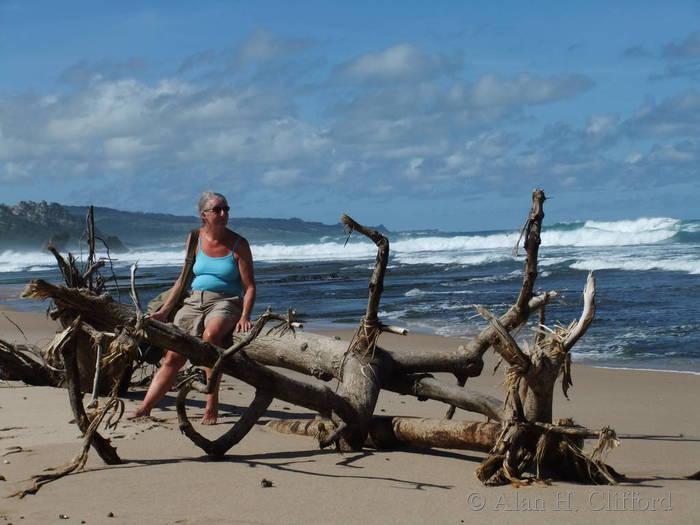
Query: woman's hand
(243,324)
(160,315)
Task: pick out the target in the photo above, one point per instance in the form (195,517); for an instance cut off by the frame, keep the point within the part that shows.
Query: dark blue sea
(647,270)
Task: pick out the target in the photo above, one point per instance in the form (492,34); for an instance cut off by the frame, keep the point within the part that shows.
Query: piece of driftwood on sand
(523,442)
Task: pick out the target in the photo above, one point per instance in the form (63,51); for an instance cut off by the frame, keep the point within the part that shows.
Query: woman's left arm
(245,268)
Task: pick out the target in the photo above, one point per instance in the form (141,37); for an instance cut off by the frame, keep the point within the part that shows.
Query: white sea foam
(648,370)
(686,264)
(610,355)
(327,251)
(641,225)
(416,292)
(515,274)
(471,250)
(619,233)
(552,261)
(463,249)
(457,243)
(451,258)
(692,227)
(14,261)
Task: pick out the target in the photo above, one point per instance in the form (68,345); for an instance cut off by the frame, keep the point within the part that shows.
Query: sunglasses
(219,209)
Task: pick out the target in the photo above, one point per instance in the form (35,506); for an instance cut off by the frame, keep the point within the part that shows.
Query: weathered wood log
(386,432)
(20,363)
(311,354)
(316,355)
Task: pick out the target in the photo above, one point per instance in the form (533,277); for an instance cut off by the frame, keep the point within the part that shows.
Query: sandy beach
(166,479)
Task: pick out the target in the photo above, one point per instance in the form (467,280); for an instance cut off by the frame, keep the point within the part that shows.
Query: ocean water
(648,283)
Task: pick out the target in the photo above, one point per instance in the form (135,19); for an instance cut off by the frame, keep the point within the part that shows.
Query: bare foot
(209,418)
(139,413)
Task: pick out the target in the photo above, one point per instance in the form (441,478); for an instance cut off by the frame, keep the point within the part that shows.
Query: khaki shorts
(202,306)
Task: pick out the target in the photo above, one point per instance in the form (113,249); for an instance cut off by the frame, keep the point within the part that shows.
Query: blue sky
(411,114)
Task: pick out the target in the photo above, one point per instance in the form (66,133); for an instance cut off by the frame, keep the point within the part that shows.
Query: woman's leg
(215,332)
(162,381)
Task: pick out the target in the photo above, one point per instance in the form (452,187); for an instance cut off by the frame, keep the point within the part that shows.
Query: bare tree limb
(133,293)
(587,314)
(238,431)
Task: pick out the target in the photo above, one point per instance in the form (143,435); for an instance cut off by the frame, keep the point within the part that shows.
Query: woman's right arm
(164,311)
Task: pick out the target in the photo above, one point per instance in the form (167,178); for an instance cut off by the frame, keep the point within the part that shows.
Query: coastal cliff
(32,225)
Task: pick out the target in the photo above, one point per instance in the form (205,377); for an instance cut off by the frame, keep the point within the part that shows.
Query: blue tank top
(217,274)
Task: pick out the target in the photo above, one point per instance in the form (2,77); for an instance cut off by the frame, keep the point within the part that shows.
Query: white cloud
(85,71)
(667,163)
(281,177)
(403,62)
(492,144)
(634,157)
(679,153)
(206,57)
(263,45)
(567,167)
(602,125)
(109,108)
(601,130)
(675,116)
(13,171)
(126,148)
(400,120)
(271,141)
(414,170)
(689,47)
(525,89)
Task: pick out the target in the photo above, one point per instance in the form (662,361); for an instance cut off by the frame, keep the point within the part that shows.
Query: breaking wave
(438,248)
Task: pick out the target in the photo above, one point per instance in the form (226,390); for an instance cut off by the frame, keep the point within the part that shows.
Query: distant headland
(30,225)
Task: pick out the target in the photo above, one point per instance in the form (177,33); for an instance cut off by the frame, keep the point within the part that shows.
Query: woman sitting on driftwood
(223,270)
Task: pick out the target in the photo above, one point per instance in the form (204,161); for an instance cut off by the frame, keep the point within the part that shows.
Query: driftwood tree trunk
(521,435)
(386,432)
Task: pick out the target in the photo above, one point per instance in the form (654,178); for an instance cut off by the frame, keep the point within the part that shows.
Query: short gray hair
(206,197)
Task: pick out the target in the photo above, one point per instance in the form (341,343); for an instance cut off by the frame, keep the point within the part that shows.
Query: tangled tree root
(548,451)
